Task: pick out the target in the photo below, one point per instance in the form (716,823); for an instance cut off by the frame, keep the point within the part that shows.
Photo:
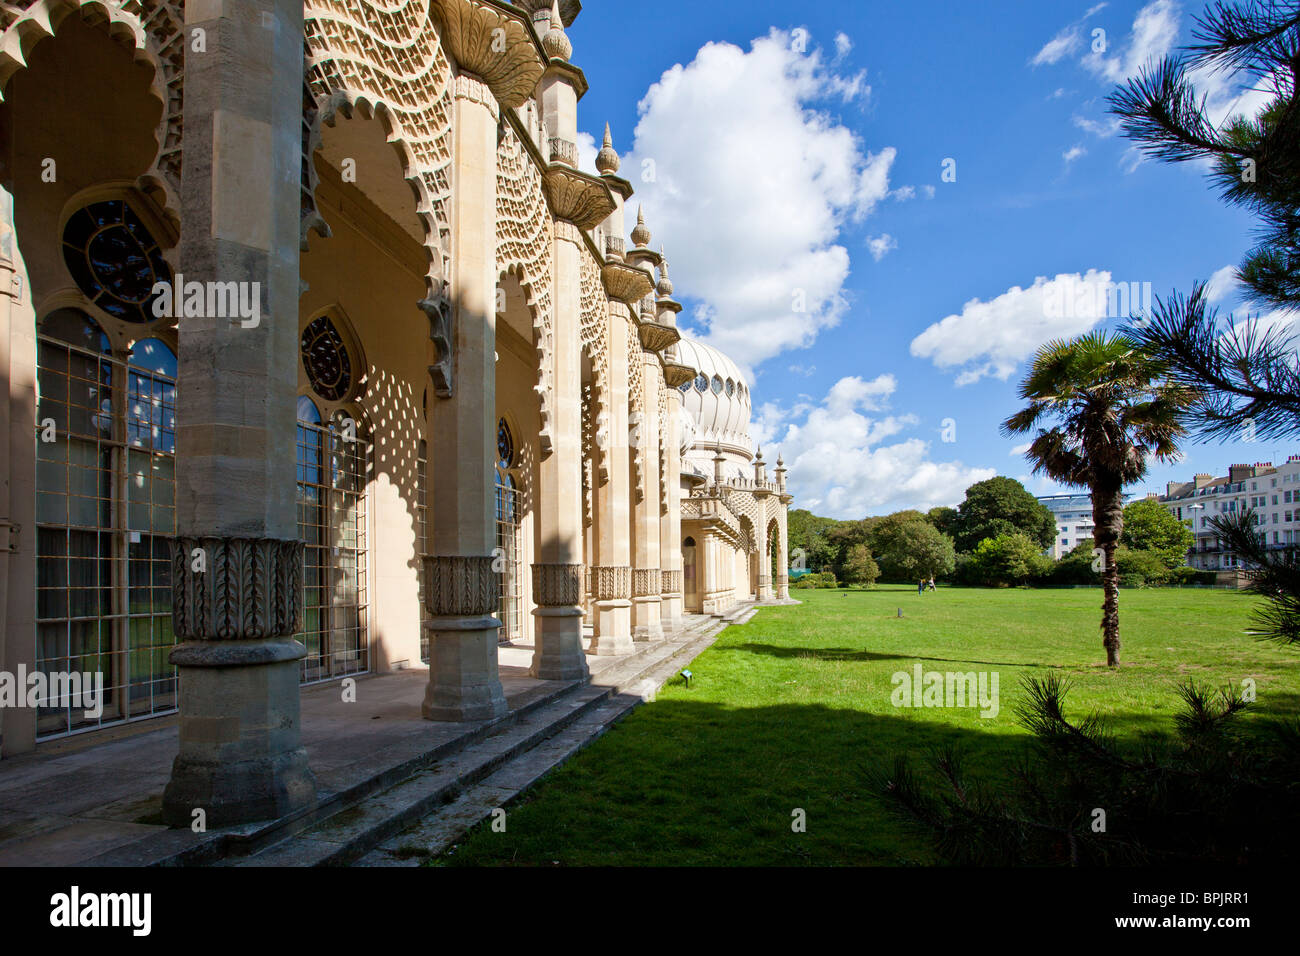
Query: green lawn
(792,709)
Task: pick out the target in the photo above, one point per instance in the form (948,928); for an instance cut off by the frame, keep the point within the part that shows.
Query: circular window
(701,382)
(325,357)
(505,445)
(717,385)
(114,259)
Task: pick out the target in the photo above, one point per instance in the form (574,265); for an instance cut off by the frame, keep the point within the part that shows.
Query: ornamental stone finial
(555,42)
(607,159)
(640,232)
(665,286)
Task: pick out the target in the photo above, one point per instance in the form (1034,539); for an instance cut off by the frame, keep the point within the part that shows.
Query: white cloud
(903,193)
(587,149)
(929,191)
(842,45)
(992,338)
(880,245)
(752,186)
(1223,282)
(1101,128)
(1020,449)
(840,465)
(1073,153)
(1155,29)
(1058,47)
(1133,158)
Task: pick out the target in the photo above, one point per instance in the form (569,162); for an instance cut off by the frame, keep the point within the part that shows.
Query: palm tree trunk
(1108,523)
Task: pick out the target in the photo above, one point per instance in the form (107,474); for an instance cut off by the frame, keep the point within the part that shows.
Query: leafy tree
(944,519)
(807,533)
(843,537)
(1008,559)
(1150,526)
(1076,567)
(999,506)
(1113,411)
(860,567)
(911,548)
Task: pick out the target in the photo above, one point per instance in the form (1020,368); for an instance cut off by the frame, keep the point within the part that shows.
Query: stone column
(764,592)
(18,351)
(463,579)
(647,585)
(611,578)
(236,561)
(670,520)
(782,560)
(557,575)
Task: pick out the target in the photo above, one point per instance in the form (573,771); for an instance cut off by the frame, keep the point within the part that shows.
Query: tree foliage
(1000,506)
(1150,526)
(860,567)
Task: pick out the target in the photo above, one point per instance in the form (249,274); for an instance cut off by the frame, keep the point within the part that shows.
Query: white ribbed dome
(718,401)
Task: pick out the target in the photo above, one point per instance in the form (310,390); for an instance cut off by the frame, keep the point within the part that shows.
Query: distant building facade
(1073,515)
(1273,492)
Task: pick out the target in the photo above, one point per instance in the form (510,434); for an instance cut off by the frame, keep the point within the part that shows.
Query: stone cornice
(627,284)
(619,185)
(470,35)
(566,70)
(578,197)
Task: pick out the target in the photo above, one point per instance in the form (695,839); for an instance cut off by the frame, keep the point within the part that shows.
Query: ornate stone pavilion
(324,358)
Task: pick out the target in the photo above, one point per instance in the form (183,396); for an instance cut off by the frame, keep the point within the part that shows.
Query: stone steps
(436,805)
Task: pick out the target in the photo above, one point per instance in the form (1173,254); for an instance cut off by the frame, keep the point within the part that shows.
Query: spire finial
(665,286)
(607,159)
(641,232)
(555,43)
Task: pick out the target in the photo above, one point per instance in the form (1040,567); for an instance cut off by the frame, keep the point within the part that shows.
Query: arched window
(333,475)
(717,384)
(326,360)
(731,388)
(508,535)
(105,508)
(701,383)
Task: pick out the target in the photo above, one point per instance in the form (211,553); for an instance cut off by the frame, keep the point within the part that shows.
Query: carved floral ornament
(656,336)
(624,283)
(491,41)
(577,197)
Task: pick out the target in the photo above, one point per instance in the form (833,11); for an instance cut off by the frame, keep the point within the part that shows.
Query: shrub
(1147,565)
(827,580)
(806,582)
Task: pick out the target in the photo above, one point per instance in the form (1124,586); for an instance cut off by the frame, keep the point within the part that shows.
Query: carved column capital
(557,585)
(458,585)
(612,583)
(233,589)
(645,582)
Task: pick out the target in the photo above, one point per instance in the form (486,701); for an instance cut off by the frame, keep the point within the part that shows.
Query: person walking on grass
(920,587)
(932,587)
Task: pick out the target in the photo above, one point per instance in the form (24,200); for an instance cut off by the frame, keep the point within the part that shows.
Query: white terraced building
(1272,492)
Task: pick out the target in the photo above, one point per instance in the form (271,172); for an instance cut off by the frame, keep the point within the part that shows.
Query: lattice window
(105,507)
(334,460)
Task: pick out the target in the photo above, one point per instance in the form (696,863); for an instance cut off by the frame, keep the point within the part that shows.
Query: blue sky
(780,168)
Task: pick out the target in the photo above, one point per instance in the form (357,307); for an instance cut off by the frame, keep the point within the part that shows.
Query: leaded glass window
(114,259)
(326,359)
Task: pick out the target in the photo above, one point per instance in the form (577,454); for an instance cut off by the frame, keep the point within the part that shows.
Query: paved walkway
(79,797)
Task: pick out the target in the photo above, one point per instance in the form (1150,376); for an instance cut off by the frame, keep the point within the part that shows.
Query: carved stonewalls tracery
(153,30)
(524,249)
(386,58)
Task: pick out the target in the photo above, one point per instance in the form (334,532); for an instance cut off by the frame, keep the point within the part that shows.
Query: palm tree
(1114,408)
